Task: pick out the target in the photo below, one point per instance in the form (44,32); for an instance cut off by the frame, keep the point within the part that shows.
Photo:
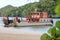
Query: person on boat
(18,20)
(8,19)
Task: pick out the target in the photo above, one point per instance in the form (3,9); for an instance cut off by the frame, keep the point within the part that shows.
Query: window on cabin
(44,15)
(35,15)
(44,20)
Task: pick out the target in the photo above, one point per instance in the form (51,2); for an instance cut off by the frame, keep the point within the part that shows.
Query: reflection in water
(38,29)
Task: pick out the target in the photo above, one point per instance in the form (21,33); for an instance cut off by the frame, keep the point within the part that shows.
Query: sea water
(35,29)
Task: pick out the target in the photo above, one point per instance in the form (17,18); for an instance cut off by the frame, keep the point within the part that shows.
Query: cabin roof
(39,12)
(35,12)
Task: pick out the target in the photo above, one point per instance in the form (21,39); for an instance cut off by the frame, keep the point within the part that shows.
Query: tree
(57,8)
(58,24)
(47,5)
(58,1)
(53,33)
(42,5)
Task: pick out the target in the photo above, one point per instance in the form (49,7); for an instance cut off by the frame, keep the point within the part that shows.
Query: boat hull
(26,24)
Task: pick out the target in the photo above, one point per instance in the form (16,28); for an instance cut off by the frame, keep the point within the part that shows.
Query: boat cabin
(36,16)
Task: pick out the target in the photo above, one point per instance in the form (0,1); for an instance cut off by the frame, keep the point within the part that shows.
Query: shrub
(53,33)
(58,24)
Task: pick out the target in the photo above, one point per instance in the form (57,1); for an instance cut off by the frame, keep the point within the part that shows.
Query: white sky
(15,2)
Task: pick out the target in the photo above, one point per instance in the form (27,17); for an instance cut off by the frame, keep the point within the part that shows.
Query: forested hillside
(42,5)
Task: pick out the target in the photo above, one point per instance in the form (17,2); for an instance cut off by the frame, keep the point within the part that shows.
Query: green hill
(42,5)
(5,10)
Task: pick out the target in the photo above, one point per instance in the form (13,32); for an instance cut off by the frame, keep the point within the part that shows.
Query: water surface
(37,29)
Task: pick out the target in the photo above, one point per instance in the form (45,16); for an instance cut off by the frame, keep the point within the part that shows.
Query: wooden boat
(6,24)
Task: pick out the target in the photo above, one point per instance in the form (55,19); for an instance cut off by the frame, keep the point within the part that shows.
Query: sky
(15,3)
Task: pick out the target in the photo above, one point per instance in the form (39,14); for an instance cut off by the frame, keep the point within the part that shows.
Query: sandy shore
(5,36)
(15,34)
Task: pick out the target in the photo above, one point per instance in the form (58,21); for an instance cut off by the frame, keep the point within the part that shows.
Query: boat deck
(34,24)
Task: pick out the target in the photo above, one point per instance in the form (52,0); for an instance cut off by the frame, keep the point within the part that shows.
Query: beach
(15,34)
(5,36)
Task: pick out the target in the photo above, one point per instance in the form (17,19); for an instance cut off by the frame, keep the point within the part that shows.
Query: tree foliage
(42,5)
(47,5)
(57,8)
(45,37)
(58,24)
(53,33)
